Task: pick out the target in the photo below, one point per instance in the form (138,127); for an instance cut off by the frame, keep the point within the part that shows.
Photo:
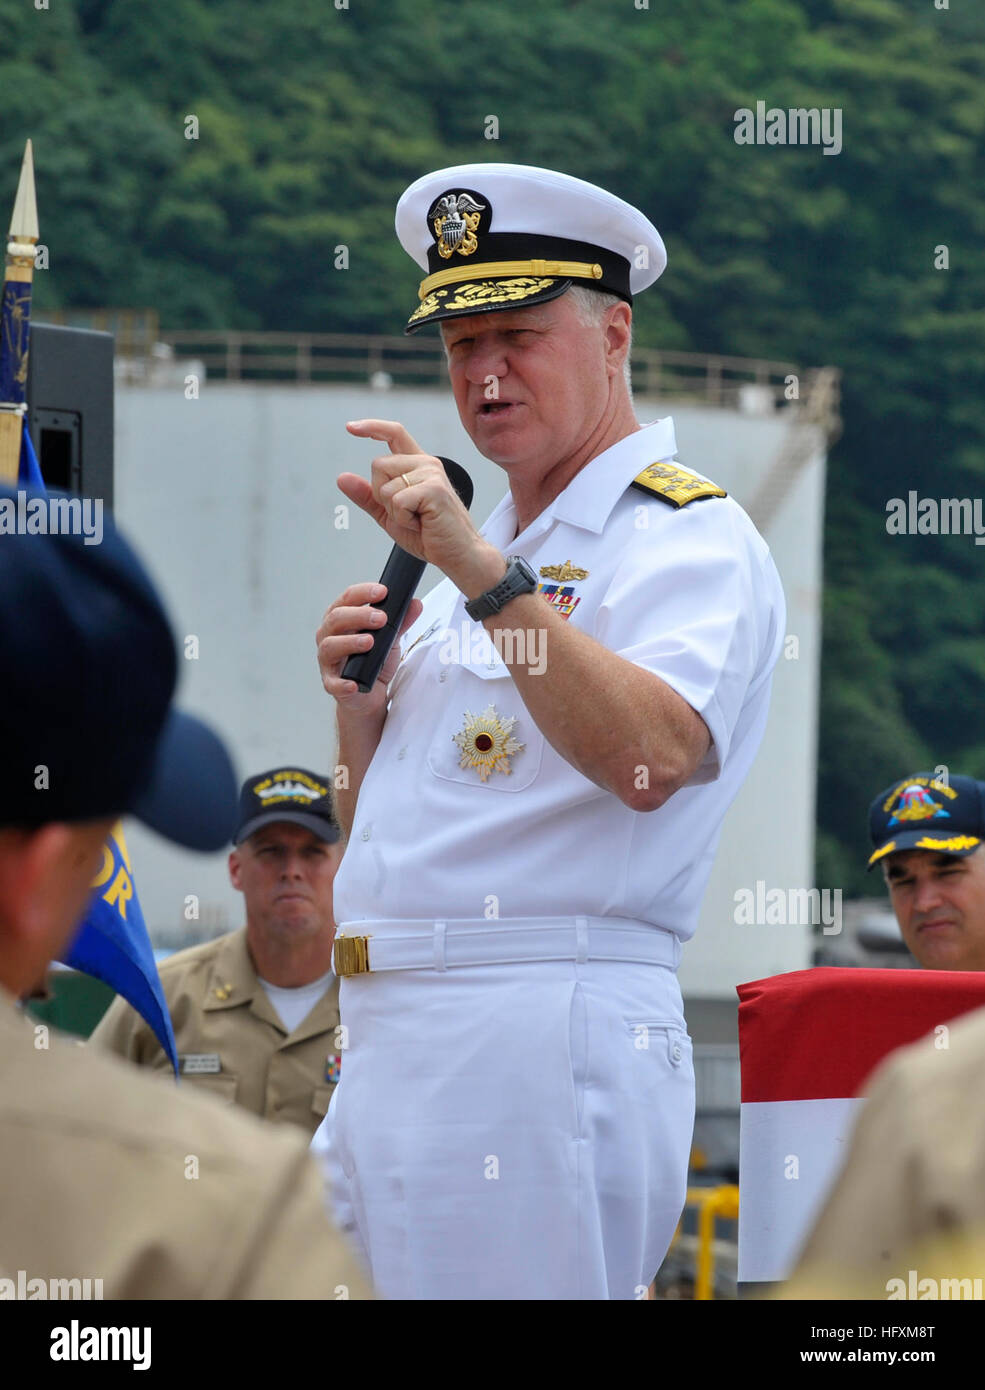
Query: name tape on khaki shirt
(200,1064)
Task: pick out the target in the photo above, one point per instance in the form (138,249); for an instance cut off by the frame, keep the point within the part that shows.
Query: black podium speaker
(70,408)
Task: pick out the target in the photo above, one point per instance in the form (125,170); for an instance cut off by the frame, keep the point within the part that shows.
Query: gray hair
(592,306)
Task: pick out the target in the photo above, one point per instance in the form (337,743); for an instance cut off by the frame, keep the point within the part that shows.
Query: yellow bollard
(711,1203)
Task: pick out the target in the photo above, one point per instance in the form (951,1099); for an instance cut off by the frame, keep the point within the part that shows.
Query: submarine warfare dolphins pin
(564,574)
(487,742)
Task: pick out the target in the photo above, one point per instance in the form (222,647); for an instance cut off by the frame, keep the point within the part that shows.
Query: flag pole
(15,319)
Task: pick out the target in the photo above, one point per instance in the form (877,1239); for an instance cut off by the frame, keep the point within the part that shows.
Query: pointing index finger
(389,432)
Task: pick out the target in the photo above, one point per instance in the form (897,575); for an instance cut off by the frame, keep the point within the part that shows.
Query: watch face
(525,570)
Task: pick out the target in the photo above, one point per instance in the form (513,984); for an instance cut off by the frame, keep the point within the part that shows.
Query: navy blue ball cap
(189,760)
(922,811)
(88,667)
(287,793)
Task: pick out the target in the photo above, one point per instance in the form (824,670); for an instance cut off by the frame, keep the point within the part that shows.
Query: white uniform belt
(443,945)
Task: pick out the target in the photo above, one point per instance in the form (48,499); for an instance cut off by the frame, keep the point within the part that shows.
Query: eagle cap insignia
(487,742)
(456,218)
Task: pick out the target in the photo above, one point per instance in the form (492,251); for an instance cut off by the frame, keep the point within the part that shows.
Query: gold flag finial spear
(15,318)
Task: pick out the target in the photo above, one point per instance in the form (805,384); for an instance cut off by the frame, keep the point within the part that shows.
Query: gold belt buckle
(351,955)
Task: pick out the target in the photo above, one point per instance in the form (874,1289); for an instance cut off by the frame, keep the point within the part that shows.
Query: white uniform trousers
(511,1130)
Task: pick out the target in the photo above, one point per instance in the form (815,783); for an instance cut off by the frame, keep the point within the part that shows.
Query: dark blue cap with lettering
(287,793)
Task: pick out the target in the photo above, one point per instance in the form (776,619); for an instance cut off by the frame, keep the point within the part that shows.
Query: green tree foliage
(313,118)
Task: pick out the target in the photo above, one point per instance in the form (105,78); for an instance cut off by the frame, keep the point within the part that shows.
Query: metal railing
(815,427)
(316,358)
(751,384)
(135,330)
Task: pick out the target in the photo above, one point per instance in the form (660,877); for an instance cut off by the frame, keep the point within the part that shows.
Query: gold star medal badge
(487,742)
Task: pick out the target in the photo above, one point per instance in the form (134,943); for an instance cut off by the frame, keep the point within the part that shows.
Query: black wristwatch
(518,579)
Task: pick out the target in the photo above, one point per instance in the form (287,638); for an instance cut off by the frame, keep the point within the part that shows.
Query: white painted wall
(231,501)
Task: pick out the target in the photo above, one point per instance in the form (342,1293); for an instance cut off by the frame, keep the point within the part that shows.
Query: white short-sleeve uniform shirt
(689,593)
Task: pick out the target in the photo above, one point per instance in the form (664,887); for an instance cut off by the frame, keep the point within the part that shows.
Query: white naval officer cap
(499,236)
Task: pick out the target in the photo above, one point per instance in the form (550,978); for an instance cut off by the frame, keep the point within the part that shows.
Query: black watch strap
(518,579)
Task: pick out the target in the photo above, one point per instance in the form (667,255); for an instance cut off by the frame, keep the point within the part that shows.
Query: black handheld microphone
(401,575)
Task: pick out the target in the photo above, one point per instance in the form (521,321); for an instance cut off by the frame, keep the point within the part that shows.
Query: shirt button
(677,1052)
(443,676)
(365,832)
(402,753)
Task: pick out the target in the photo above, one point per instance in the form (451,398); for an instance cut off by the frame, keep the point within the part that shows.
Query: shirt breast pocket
(484,737)
(414,658)
(222,1087)
(320,1098)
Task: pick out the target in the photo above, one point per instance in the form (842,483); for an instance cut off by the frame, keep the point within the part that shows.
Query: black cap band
(517,246)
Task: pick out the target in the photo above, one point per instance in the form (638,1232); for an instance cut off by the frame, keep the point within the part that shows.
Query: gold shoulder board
(675,485)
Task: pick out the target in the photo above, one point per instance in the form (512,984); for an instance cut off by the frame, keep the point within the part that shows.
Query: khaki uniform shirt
(158,1193)
(231,1041)
(915,1171)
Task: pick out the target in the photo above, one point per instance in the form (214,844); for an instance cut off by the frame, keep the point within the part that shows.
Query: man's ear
(31,862)
(618,332)
(234,866)
(45,885)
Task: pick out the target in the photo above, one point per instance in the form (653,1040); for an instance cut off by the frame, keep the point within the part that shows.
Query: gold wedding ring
(406,479)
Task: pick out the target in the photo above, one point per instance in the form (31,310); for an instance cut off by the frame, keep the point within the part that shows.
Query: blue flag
(30,472)
(112,943)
